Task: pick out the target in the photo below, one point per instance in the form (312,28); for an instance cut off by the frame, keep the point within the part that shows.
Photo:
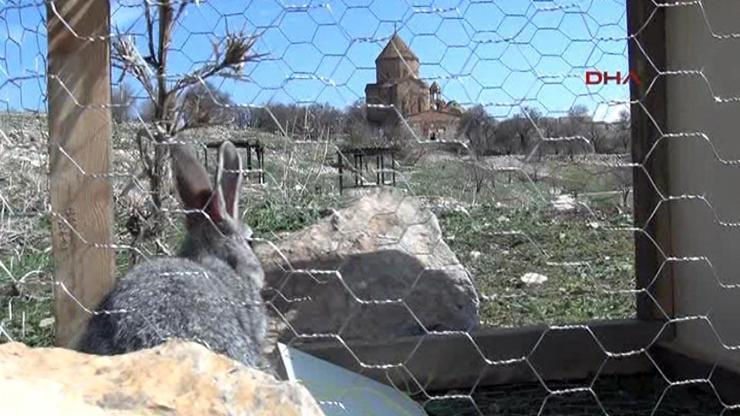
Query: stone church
(399,87)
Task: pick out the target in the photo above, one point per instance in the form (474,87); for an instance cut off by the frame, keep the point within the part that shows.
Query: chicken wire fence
(500,122)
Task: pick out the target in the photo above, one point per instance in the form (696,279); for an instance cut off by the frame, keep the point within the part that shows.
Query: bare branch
(146,160)
(130,59)
(150,32)
(234,56)
(181,9)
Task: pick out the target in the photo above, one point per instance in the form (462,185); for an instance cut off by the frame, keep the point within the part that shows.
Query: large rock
(175,378)
(374,270)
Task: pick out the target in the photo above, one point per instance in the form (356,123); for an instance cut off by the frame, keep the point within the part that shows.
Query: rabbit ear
(193,184)
(229,177)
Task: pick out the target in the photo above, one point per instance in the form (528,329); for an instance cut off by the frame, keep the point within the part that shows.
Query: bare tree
(479,128)
(122,101)
(581,133)
(204,105)
(625,134)
(148,64)
(356,128)
(525,127)
(313,122)
(578,111)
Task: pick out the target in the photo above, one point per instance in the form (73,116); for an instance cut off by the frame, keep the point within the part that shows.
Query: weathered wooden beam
(647,57)
(79,90)
(679,364)
(457,361)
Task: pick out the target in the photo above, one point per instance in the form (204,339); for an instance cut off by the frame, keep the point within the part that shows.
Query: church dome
(396,49)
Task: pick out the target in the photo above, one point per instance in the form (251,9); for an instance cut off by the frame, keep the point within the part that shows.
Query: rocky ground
(147,382)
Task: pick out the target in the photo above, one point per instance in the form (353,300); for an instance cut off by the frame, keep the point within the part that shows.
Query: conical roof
(396,49)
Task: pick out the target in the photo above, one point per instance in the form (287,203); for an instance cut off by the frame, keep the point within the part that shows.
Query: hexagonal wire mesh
(511,203)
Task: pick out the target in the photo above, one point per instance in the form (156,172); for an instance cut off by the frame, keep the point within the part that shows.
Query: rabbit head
(215,231)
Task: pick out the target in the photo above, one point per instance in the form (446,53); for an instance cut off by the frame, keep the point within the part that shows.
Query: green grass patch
(464,182)
(278,214)
(27,306)
(584,260)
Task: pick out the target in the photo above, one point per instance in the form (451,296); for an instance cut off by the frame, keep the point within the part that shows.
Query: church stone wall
(398,84)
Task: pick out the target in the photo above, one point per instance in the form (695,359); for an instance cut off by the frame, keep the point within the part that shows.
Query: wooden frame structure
(80,129)
(249,147)
(80,150)
(384,175)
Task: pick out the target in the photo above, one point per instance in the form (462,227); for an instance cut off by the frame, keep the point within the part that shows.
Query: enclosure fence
(472,196)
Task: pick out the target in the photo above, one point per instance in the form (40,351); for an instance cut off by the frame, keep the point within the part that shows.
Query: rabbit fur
(209,293)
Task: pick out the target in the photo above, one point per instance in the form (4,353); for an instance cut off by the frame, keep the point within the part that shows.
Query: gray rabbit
(209,293)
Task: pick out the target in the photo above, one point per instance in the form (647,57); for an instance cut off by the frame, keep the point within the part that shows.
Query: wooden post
(261,161)
(354,156)
(646,26)
(339,167)
(362,168)
(79,90)
(393,168)
(382,167)
(249,161)
(377,169)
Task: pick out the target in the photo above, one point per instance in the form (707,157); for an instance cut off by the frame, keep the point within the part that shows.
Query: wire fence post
(79,118)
